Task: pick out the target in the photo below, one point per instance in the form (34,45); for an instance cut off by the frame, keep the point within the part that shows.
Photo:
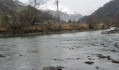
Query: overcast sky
(84,7)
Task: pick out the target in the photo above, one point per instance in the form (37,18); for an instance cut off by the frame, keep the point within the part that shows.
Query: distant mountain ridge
(53,8)
(66,17)
(65,13)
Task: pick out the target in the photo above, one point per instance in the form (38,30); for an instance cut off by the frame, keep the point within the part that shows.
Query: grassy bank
(40,29)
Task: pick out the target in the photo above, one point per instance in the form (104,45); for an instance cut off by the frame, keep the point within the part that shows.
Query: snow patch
(54,8)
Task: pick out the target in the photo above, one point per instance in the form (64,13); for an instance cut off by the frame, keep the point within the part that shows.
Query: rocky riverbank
(116,30)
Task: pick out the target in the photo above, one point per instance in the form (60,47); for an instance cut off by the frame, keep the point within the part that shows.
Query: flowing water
(69,50)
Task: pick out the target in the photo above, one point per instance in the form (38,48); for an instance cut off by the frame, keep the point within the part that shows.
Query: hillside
(7,10)
(109,10)
(6,6)
(13,11)
(10,3)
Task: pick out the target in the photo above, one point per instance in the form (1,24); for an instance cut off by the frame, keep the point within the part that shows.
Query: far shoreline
(47,33)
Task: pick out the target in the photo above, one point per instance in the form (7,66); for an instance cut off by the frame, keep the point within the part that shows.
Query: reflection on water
(68,50)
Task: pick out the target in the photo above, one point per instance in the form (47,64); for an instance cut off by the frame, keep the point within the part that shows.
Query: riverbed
(70,51)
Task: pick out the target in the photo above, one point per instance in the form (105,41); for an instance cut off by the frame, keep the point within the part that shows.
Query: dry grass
(82,26)
(58,26)
(2,28)
(66,26)
(55,26)
(36,27)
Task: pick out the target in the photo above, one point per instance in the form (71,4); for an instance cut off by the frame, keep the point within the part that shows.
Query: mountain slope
(8,5)
(109,10)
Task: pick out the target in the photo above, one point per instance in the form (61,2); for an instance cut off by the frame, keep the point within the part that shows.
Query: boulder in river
(103,57)
(116,45)
(113,50)
(89,62)
(97,67)
(58,59)
(104,32)
(110,32)
(102,44)
(2,55)
(115,61)
(53,68)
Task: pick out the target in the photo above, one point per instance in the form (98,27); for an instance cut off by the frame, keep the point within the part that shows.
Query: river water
(70,50)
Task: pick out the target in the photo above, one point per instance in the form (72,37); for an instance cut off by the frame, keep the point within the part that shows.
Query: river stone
(52,68)
(104,32)
(116,45)
(89,62)
(117,29)
(2,55)
(103,57)
(115,61)
(97,67)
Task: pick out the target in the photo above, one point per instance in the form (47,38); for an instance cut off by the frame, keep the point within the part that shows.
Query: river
(70,50)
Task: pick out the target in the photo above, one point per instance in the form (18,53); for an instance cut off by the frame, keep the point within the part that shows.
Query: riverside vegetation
(28,20)
(16,20)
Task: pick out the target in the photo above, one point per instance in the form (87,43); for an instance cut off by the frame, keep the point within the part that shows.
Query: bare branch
(37,3)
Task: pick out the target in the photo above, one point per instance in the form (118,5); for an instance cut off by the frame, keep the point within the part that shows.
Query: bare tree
(92,21)
(116,20)
(58,14)
(37,3)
